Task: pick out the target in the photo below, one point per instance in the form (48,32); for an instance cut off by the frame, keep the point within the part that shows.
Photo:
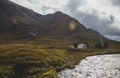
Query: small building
(79,46)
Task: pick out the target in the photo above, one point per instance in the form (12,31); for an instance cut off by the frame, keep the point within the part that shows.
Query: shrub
(99,45)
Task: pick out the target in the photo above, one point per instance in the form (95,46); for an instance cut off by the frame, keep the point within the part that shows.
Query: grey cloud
(33,1)
(103,26)
(112,18)
(29,1)
(113,32)
(73,5)
(115,2)
(117,38)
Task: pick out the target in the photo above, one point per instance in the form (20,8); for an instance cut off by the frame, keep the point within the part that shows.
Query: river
(99,66)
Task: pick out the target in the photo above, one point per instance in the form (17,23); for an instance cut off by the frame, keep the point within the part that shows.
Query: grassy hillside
(41,58)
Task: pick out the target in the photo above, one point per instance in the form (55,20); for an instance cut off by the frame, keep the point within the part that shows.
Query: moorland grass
(42,59)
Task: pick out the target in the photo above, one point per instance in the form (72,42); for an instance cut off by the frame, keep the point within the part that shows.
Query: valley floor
(39,60)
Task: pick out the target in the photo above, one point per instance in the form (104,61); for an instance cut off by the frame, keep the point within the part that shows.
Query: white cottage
(80,46)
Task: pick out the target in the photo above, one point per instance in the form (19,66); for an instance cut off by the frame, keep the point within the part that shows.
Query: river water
(99,66)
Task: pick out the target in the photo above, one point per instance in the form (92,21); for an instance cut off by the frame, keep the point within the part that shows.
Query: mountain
(19,22)
(16,18)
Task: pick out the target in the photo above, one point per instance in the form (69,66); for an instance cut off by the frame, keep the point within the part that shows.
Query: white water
(100,66)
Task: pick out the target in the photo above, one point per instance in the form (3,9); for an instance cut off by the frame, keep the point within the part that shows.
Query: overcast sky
(101,15)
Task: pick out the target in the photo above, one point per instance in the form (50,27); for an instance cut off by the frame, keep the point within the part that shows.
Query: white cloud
(102,6)
(43,6)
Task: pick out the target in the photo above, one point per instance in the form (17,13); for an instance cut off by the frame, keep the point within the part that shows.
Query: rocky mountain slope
(17,20)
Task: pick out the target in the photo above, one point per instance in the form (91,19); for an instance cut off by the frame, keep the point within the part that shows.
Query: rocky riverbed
(99,66)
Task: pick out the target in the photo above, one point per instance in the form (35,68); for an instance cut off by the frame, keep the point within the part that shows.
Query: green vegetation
(41,58)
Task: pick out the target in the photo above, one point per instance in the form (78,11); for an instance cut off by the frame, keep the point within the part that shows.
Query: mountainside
(22,23)
(16,18)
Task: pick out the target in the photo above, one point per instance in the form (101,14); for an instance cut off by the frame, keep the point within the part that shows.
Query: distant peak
(58,13)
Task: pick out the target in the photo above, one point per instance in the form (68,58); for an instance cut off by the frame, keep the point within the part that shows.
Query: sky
(100,15)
